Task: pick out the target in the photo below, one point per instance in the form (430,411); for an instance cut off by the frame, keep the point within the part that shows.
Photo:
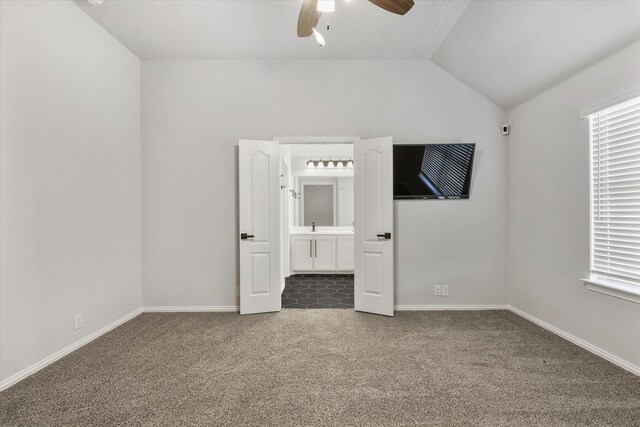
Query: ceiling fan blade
(399,7)
(308,18)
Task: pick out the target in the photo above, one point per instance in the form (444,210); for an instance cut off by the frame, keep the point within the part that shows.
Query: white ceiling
(507,50)
(512,50)
(266,29)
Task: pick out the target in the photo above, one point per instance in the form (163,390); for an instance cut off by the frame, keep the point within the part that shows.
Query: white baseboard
(579,342)
(192,309)
(449,307)
(17,377)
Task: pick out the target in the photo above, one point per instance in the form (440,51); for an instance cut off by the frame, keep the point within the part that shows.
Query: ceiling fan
(310,12)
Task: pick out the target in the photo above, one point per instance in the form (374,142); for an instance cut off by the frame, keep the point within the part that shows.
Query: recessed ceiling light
(95,2)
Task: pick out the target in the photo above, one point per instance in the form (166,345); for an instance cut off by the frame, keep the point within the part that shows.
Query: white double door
(259,190)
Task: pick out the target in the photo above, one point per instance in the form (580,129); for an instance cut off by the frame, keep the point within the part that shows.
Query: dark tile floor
(318,291)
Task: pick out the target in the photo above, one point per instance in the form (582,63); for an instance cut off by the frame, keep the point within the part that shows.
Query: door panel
(260,163)
(371,169)
(259,273)
(373,177)
(372,264)
(259,221)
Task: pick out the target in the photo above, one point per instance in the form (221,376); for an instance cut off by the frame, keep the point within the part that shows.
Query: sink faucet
(313,226)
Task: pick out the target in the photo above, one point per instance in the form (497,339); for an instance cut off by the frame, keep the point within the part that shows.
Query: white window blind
(615,191)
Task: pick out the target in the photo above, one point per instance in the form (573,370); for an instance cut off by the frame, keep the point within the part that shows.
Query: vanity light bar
(330,163)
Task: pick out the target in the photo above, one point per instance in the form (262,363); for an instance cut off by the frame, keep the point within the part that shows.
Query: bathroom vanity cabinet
(322,252)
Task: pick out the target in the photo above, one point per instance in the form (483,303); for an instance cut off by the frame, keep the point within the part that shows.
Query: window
(615,193)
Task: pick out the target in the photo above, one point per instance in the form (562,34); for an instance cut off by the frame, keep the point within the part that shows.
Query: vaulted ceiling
(507,50)
(266,29)
(512,50)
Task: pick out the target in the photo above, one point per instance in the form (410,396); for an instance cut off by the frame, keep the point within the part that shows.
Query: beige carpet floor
(326,367)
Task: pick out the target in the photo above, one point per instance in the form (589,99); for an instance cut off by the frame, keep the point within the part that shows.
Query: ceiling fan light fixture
(319,37)
(326,5)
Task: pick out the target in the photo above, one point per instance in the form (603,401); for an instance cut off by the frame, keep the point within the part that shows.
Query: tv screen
(432,171)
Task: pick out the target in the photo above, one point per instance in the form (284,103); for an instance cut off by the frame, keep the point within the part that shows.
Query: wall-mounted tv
(432,171)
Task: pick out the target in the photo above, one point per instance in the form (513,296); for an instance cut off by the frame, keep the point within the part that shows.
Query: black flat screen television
(432,171)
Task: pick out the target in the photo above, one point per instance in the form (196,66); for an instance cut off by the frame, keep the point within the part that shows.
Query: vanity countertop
(321,230)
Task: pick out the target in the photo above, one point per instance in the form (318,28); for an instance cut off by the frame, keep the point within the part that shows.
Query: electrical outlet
(437,290)
(445,290)
(77,321)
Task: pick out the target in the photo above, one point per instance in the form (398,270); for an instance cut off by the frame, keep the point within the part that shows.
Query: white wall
(194,112)
(548,167)
(70,179)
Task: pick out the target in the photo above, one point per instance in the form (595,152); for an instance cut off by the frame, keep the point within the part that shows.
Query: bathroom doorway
(317,245)
(349,207)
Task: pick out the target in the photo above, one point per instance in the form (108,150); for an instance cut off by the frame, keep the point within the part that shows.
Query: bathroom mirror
(327,201)
(318,204)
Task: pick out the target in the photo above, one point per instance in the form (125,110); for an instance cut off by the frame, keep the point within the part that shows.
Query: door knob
(245,236)
(385,236)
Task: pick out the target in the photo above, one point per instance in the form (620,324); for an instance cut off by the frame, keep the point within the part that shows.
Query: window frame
(626,288)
